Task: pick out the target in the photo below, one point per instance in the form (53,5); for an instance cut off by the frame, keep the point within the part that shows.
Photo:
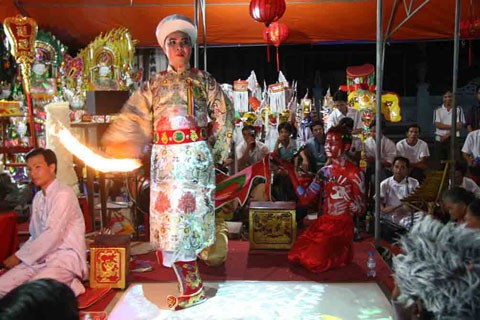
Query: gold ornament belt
(179,136)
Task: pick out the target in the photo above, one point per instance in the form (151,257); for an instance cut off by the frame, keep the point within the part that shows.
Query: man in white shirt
(442,120)
(416,151)
(471,153)
(388,151)
(342,110)
(250,150)
(56,247)
(394,189)
(465,182)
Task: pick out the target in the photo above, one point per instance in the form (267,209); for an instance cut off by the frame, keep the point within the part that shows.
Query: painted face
(40,172)
(334,146)
(471,220)
(400,170)
(178,49)
(457,210)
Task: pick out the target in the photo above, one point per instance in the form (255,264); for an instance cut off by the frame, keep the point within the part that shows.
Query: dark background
(302,62)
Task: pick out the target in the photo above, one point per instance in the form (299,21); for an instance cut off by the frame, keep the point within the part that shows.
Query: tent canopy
(77,22)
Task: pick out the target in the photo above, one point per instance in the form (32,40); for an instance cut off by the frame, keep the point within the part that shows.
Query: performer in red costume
(327,243)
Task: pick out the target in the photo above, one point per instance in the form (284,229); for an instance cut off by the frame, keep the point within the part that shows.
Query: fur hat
(441,267)
(173,23)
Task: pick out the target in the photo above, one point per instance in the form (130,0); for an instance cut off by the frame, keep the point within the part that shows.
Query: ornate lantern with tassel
(267,11)
(470,29)
(275,34)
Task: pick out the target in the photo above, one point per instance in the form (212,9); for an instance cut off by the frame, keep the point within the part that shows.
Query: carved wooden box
(109,261)
(272,225)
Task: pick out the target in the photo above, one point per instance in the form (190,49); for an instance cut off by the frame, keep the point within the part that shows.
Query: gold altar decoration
(272,225)
(10,109)
(21,34)
(108,61)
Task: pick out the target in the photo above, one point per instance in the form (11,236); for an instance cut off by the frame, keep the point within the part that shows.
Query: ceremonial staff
(21,34)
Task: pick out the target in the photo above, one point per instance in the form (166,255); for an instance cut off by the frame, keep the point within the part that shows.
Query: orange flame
(92,159)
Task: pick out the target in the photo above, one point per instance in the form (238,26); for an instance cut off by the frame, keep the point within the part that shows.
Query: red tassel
(268,53)
(469,53)
(278,62)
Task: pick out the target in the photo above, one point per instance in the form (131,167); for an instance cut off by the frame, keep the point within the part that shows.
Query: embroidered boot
(190,285)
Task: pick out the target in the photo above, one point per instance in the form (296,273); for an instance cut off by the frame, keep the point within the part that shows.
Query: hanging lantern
(470,29)
(275,34)
(267,11)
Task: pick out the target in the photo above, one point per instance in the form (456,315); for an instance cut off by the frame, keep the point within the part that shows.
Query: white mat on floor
(263,300)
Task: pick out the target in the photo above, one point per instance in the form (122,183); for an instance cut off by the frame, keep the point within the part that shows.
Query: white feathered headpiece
(441,267)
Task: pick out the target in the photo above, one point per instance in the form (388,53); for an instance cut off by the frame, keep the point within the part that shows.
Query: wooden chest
(109,261)
(272,225)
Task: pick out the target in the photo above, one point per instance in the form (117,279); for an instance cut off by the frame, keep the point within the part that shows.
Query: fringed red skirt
(326,244)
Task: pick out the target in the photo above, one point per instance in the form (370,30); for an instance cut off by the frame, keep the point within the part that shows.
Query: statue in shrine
(49,54)
(108,62)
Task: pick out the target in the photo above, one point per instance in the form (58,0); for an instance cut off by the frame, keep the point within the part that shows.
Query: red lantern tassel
(469,53)
(268,53)
(278,62)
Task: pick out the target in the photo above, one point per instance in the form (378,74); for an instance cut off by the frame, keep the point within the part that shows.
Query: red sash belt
(179,136)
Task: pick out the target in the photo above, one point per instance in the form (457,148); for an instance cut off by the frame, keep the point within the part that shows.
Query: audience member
(388,151)
(465,182)
(353,154)
(285,147)
(342,110)
(43,299)
(314,151)
(250,150)
(442,120)
(456,201)
(416,151)
(56,247)
(472,218)
(472,116)
(471,153)
(438,270)
(394,189)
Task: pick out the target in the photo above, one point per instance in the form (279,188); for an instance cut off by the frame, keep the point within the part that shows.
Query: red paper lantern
(470,28)
(275,34)
(267,11)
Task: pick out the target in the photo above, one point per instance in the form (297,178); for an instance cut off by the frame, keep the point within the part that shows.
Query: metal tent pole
(195,21)
(453,129)
(378,118)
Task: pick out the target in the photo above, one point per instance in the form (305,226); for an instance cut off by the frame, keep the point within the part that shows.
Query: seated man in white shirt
(56,247)
(394,189)
(388,151)
(250,150)
(342,110)
(465,182)
(471,153)
(416,151)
